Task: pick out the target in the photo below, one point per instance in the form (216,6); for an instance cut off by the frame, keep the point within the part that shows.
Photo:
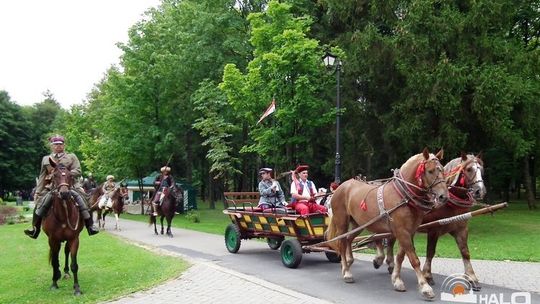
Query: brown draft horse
(118,198)
(397,206)
(63,223)
(464,179)
(167,209)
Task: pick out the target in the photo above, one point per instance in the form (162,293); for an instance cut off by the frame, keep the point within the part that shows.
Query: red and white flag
(271,109)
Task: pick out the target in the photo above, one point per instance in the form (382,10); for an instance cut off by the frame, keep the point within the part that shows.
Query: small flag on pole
(271,109)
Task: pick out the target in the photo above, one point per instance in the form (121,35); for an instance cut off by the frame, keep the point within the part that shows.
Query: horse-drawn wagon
(421,191)
(295,234)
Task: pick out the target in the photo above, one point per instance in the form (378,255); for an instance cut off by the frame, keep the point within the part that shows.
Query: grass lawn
(108,268)
(508,234)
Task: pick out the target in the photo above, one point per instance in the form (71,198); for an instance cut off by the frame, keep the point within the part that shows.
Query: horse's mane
(458,161)
(412,162)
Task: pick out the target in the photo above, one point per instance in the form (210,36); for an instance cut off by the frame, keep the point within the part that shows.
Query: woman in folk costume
(303,192)
(271,194)
(108,189)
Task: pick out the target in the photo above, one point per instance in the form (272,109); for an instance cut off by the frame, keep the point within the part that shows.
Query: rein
(64,204)
(404,188)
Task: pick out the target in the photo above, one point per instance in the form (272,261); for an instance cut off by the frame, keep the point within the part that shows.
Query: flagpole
(275,137)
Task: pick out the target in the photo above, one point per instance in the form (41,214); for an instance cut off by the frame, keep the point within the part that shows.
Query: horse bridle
(468,184)
(404,186)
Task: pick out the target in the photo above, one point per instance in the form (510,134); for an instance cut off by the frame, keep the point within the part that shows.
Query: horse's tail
(338,217)
(331,233)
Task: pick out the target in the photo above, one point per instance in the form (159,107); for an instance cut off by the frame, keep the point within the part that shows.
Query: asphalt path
(315,276)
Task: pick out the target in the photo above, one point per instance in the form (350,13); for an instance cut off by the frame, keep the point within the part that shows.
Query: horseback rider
(161,185)
(89,184)
(108,190)
(43,197)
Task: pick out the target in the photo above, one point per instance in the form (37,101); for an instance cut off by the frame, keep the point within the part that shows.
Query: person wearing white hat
(272,196)
(43,196)
(108,189)
(161,184)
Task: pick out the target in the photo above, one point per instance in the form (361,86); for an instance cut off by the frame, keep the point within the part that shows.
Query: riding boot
(154,209)
(36,227)
(89,223)
(37,216)
(83,209)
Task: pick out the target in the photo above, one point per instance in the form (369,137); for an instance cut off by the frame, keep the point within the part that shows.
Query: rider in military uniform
(89,184)
(43,197)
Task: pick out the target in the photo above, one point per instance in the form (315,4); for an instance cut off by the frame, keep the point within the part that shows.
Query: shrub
(193,217)
(7,214)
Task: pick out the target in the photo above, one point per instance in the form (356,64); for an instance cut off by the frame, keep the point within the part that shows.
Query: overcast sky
(64,46)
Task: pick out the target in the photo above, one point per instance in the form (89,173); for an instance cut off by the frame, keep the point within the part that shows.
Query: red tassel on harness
(363,205)
(419,172)
(462,181)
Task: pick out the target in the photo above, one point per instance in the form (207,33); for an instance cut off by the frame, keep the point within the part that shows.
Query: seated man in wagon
(303,192)
(271,194)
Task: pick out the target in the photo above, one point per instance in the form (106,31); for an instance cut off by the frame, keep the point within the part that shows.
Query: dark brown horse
(397,206)
(464,179)
(118,198)
(167,209)
(63,223)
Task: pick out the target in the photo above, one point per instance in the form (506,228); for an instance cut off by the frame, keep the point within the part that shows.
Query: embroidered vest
(300,189)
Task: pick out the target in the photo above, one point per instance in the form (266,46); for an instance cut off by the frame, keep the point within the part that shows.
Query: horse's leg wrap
(83,209)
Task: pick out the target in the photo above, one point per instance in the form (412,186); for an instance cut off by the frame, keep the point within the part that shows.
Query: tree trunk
(527,181)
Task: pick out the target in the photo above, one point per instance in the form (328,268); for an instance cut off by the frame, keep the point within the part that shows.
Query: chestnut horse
(118,197)
(396,206)
(464,179)
(63,223)
(167,208)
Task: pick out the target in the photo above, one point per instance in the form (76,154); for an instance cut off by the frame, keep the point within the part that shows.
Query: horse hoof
(390,269)
(476,286)
(67,276)
(348,279)
(399,286)
(428,294)
(376,265)
(77,293)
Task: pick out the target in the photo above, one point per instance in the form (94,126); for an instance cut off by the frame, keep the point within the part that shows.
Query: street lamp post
(331,60)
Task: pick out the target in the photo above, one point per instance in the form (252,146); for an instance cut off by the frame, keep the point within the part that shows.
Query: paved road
(256,274)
